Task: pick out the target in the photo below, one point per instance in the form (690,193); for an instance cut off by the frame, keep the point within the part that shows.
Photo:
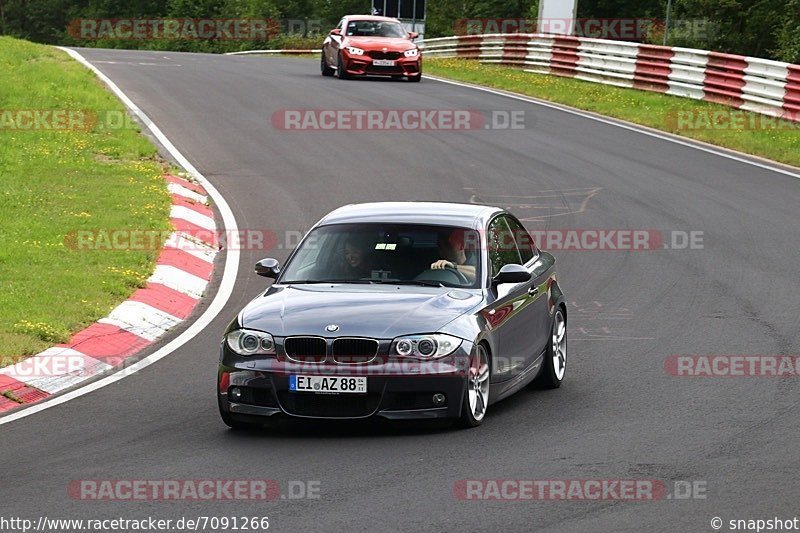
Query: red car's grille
(384,70)
(385,55)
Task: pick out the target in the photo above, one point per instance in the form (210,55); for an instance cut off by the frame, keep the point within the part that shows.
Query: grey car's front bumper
(396,389)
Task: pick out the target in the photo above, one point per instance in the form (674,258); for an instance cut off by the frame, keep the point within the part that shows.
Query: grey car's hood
(377,311)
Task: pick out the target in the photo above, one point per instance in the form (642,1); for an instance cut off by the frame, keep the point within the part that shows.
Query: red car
(364,45)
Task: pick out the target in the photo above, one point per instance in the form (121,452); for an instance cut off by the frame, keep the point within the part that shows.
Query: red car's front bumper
(364,65)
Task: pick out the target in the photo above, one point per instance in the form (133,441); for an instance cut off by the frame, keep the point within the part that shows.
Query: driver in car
(452,248)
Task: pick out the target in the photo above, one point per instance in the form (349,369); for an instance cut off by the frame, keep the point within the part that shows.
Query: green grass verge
(658,111)
(279,42)
(54,182)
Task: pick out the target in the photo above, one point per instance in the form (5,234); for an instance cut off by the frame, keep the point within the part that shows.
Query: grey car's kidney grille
(352,350)
(306,349)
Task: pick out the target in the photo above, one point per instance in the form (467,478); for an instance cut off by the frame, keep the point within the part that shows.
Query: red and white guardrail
(172,291)
(748,83)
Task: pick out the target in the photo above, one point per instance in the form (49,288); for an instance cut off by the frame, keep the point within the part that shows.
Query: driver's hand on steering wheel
(442,263)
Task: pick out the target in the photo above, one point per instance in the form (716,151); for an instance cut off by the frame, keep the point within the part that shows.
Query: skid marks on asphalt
(539,205)
(598,321)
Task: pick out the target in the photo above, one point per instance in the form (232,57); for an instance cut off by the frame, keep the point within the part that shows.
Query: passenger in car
(453,250)
(354,262)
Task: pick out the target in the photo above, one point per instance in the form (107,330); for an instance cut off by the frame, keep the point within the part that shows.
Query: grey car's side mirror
(269,268)
(512,274)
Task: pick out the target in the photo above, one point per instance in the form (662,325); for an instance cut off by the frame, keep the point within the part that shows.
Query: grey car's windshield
(373,28)
(406,254)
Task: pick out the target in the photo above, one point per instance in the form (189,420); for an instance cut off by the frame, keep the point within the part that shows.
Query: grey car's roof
(433,213)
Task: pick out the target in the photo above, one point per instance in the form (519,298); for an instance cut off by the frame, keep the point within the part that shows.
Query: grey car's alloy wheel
(555,358)
(476,399)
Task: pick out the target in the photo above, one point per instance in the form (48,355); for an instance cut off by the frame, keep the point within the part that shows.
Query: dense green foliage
(764,28)
(761,28)
(47,21)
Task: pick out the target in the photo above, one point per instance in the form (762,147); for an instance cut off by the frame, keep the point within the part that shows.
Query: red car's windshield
(375,28)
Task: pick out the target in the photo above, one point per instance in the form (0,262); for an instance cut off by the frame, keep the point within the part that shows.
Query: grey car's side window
(502,247)
(525,244)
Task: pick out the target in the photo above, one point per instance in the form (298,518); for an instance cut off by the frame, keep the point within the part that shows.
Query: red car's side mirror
(336,31)
(413,35)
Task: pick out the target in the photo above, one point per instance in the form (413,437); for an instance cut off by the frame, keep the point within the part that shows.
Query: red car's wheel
(326,70)
(341,73)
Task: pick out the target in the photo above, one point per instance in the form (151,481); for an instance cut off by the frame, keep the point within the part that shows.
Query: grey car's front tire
(234,424)
(554,366)
(476,397)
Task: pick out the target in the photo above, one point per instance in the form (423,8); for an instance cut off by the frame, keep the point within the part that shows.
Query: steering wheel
(451,273)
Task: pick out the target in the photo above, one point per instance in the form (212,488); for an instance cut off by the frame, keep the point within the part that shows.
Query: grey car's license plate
(300,383)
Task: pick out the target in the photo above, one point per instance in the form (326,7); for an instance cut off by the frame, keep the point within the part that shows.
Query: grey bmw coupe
(407,310)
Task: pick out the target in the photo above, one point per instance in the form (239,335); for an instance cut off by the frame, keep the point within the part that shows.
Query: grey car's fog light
(439,399)
(236,393)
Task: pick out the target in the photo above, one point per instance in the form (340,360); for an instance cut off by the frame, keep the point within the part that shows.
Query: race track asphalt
(619,415)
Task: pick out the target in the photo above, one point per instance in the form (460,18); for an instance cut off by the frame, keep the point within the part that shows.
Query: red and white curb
(181,274)
(748,83)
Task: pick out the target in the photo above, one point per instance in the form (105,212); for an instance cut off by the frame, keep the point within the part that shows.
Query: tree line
(761,28)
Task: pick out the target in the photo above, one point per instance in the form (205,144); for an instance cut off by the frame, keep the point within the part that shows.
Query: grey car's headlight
(426,346)
(414,52)
(250,342)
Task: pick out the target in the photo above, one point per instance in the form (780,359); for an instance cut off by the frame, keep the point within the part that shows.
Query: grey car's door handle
(533,291)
